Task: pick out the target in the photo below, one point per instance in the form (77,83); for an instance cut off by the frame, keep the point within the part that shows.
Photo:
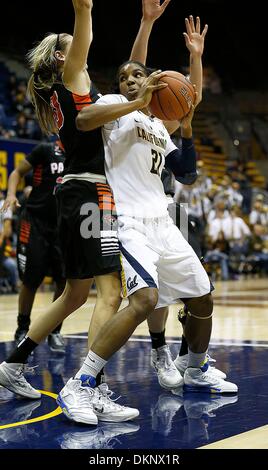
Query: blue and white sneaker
(203,380)
(76,401)
(181,362)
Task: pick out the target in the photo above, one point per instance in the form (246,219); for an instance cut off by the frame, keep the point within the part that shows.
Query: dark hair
(147,70)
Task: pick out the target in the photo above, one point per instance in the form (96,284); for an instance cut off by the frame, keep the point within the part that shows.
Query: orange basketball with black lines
(173,102)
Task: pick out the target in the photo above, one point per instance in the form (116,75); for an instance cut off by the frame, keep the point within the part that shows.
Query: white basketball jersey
(135,149)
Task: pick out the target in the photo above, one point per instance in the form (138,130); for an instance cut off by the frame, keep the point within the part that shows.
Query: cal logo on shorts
(131,283)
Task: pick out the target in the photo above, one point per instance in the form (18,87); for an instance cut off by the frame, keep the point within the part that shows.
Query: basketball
(173,102)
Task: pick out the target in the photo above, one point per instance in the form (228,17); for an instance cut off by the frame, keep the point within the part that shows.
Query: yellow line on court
(56,412)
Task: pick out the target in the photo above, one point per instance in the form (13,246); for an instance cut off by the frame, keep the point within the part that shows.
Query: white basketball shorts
(155,254)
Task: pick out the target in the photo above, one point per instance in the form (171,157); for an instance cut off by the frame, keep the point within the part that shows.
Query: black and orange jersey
(47,160)
(84,150)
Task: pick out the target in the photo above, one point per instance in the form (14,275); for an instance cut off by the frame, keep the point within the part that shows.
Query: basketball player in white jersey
(159,266)
(161,359)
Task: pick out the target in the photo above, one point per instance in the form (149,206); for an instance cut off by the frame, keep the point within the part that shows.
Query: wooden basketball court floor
(239,343)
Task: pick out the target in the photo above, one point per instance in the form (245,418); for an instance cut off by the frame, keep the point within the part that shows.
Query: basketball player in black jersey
(38,250)
(60,87)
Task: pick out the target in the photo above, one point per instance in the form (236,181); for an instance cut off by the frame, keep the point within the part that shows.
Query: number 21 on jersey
(157,159)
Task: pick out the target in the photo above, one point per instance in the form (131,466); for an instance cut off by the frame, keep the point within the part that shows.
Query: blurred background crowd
(228,204)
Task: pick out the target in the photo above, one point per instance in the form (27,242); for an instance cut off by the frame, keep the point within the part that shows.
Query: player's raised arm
(195,40)
(151,11)
(76,58)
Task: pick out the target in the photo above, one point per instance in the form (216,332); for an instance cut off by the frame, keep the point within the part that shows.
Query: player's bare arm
(195,41)
(151,11)
(75,76)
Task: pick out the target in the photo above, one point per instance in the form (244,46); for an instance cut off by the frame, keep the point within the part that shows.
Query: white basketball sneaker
(12,378)
(181,362)
(168,375)
(108,410)
(76,402)
(202,380)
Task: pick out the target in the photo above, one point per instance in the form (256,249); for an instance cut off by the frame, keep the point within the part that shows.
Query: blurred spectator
(259,247)
(219,211)
(217,242)
(230,234)
(230,193)
(237,232)
(21,129)
(233,227)
(215,255)
(6,134)
(259,214)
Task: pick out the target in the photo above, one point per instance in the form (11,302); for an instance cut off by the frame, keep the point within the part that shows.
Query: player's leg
(32,262)
(55,339)
(182,359)
(139,281)
(113,334)
(56,268)
(103,259)
(11,371)
(198,376)
(161,359)
(26,300)
(107,304)
(181,275)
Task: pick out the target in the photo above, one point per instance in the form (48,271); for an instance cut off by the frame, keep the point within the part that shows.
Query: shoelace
(106,393)
(20,375)
(83,396)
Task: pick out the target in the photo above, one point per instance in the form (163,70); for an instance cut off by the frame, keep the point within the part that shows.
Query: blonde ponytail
(43,63)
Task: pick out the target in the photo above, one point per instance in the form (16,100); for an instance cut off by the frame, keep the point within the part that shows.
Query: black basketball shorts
(38,251)
(88,229)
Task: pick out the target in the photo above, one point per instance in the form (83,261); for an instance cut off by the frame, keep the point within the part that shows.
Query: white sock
(196,359)
(92,365)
